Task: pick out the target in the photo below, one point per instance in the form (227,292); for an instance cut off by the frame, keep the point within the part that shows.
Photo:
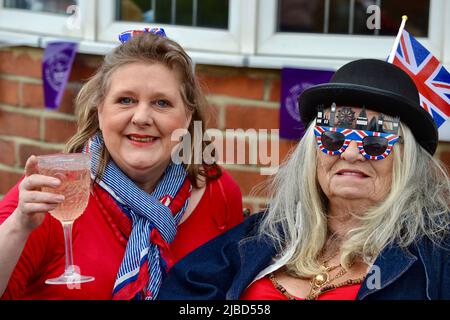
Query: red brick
(26,150)
(445,158)
(8,180)
(21,63)
(16,124)
(59,130)
(9,92)
(241,149)
(7,154)
(84,67)
(286,147)
(248,180)
(67,102)
(33,97)
(234,146)
(212,118)
(234,86)
(275,91)
(245,117)
(272,158)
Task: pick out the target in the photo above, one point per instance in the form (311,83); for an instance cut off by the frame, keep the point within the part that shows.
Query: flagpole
(397,39)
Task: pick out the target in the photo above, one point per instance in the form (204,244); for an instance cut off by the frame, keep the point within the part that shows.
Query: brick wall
(241,98)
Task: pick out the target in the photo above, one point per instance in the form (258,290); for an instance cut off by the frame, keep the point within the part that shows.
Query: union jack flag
(431,78)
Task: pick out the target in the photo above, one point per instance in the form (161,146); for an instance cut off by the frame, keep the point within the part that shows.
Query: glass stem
(67,226)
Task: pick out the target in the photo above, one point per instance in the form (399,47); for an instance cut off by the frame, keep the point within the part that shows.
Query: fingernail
(56,182)
(60,198)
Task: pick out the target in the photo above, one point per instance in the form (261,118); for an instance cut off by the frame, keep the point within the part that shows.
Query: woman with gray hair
(359,211)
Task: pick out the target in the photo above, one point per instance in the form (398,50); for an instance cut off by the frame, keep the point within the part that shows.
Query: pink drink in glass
(74,172)
(75,186)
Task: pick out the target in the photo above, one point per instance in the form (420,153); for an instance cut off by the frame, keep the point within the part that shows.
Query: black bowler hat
(380,86)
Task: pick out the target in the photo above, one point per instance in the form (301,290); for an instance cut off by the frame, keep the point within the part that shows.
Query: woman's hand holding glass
(33,203)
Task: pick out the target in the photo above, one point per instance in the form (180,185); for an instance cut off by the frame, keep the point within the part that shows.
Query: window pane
(184,12)
(202,13)
(339,15)
(138,10)
(418,12)
(163,12)
(360,18)
(350,16)
(52,6)
(213,14)
(301,15)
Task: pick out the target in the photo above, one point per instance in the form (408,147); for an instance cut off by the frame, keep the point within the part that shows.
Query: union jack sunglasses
(372,145)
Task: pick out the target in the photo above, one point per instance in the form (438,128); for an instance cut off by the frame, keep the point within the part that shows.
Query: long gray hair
(417,205)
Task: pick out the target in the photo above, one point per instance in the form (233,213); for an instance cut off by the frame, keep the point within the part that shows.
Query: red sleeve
(33,252)
(233,199)
(9,202)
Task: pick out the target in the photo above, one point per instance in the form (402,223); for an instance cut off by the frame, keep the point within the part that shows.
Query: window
(195,13)
(199,25)
(350,16)
(53,6)
(336,30)
(47,17)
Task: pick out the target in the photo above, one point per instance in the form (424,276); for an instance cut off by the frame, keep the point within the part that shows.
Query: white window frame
(239,38)
(49,24)
(330,47)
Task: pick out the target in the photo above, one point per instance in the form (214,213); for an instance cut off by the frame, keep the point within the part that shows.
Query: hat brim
(413,115)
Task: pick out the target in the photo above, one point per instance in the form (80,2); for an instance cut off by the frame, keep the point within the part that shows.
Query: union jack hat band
(379,86)
(127,35)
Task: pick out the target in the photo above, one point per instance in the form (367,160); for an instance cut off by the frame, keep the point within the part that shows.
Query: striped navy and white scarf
(154,225)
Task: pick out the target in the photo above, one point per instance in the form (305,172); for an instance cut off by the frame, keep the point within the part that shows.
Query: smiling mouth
(352,174)
(142,139)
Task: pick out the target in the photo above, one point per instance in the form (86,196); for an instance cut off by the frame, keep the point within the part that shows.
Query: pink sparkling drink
(74,172)
(75,187)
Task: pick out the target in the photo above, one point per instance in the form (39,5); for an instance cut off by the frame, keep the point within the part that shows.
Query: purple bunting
(56,67)
(293,82)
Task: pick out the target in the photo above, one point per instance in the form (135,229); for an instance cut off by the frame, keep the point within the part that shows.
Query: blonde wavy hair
(143,48)
(416,206)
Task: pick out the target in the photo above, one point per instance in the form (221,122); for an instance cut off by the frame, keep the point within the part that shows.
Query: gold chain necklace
(320,283)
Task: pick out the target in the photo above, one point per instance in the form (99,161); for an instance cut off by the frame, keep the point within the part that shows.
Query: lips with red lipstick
(140,138)
(351,173)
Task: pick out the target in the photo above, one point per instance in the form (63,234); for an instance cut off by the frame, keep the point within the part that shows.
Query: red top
(263,289)
(99,245)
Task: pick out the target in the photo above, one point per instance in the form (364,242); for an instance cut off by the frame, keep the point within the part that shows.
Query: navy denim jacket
(225,266)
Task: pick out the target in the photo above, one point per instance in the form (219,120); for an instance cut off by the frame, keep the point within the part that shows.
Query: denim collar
(390,265)
(257,253)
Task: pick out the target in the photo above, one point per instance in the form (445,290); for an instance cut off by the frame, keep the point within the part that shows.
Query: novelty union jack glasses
(372,145)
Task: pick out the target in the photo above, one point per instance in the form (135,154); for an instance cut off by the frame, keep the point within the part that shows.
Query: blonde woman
(145,211)
(359,211)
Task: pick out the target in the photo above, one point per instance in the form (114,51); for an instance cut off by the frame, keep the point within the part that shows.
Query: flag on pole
(431,78)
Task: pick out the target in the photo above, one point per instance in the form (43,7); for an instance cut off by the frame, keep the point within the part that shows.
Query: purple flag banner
(293,82)
(56,67)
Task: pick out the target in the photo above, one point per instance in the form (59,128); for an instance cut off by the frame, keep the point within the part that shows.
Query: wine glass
(73,170)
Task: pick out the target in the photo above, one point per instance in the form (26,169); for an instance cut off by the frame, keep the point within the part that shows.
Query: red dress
(264,289)
(99,242)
